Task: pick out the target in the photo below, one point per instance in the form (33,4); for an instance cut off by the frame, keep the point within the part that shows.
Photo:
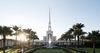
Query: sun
(22,37)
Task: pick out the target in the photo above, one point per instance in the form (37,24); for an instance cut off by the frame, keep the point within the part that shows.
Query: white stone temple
(49,38)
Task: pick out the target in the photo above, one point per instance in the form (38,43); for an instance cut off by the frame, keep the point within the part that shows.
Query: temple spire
(49,27)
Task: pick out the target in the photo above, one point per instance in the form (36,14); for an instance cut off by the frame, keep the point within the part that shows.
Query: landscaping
(90,50)
(50,51)
(10,51)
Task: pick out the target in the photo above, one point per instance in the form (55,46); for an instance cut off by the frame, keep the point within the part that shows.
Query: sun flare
(22,37)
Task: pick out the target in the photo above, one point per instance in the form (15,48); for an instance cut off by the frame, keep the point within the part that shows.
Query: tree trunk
(82,42)
(70,41)
(29,43)
(16,41)
(94,47)
(4,41)
(33,42)
(78,42)
(66,43)
(16,38)
(75,42)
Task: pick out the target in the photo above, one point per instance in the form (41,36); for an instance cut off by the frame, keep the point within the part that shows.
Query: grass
(90,50)
(50,51)
(10,51)
(73,51)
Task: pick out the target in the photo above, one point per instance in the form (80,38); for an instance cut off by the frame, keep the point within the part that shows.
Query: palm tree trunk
(70,41)
(94,47)
(16,41)
(66,43)
(82,42)
(7,43)
(78,42)
(16,38)
(4,41)
(28,43)
(75,42)
(33,42)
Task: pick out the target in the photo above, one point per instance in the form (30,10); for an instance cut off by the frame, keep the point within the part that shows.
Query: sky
(34,14)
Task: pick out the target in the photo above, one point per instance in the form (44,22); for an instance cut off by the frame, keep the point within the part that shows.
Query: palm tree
(82,36)
(93,36)
(28,31)
(64,37)
(4,31)
(31,35)
(77,31)
(34,37)
(67,35)
(16,29)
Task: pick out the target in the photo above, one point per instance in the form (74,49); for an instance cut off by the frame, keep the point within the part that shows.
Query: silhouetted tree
(93,36)
(67,35)
(17,32)
(31,35)
(82,36)
(4,31)
(77,31)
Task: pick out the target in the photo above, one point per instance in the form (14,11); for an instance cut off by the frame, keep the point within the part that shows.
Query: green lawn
(50,51)
(90,50)
(10,51)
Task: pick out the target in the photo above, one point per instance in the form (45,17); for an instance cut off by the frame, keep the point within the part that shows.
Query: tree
(82,36)
(16,29)
(77,31)
(31,34)
(93,36)
(64,37)
(67,35)
(4,31)
(28,31)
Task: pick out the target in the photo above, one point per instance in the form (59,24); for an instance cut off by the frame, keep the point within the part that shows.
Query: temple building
(49,39)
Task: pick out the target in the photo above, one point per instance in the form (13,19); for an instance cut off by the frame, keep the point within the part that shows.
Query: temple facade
(49,39)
